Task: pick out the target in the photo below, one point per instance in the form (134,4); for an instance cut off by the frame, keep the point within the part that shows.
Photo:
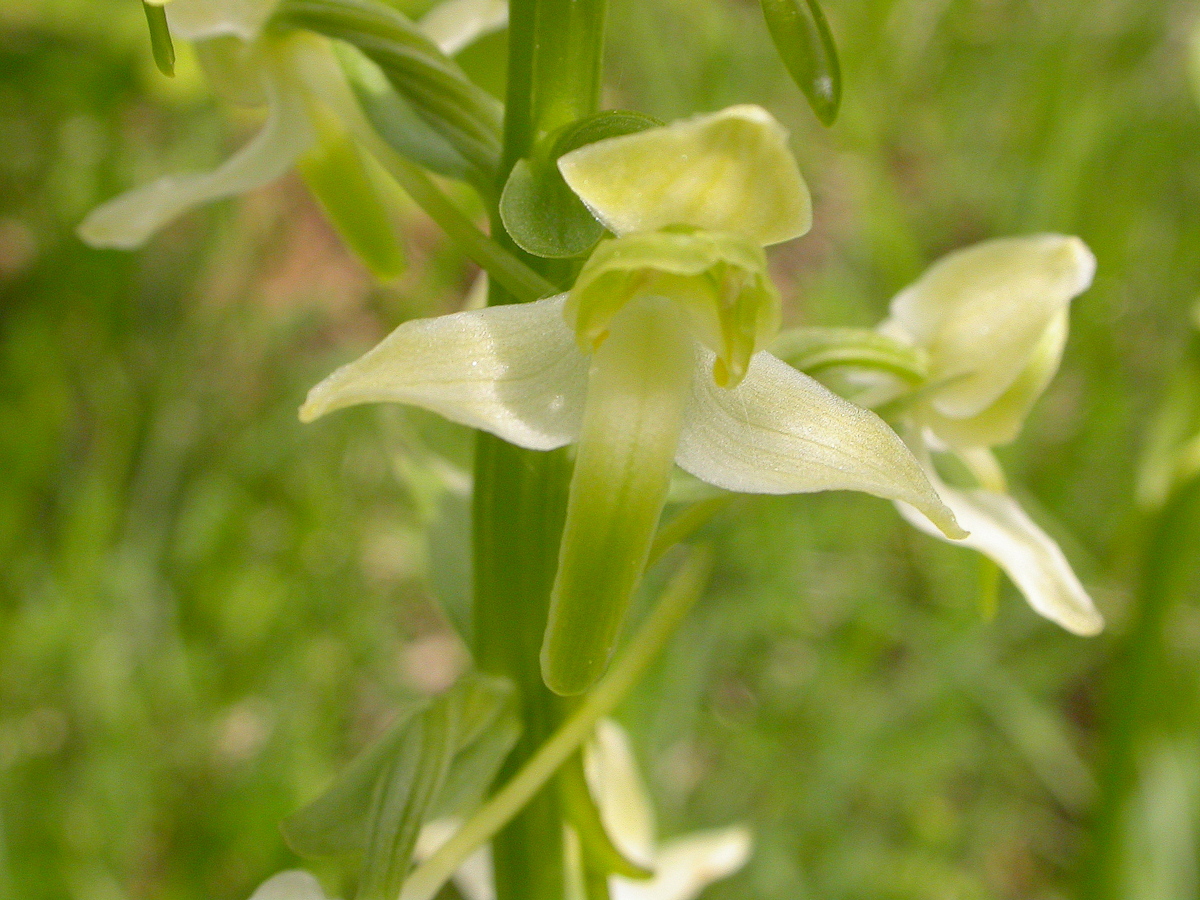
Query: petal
(726,171)
(637,392)
(511,370)
(129,220)
(474,877)
(1000,530)
(624,804)
(782,432)
(294,884)
(689,864)
(456,24)
(982,312)
(1000,422)
(196,20)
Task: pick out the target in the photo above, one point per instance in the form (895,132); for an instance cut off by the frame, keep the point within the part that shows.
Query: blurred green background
(206,608)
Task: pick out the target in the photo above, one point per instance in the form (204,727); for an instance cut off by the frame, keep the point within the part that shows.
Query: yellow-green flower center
(718,279)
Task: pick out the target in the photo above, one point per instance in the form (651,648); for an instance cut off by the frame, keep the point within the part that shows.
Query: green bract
(991,321)
(653,359)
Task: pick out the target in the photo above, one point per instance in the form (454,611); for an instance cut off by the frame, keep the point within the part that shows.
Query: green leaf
(403,798)
(439,91)
(415,764)
(540,212)
(336,172)
(805,44)
(397,122)
(160,37)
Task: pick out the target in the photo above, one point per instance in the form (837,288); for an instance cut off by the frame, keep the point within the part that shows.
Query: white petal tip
(294,884)
(1088,623)
(1083,262)
(1002,531)
(100,232)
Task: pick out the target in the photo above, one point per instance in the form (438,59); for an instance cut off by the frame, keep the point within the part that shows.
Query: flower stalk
(520,494)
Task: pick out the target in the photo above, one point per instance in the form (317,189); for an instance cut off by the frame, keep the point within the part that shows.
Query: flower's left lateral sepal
(725,171)
(782,432)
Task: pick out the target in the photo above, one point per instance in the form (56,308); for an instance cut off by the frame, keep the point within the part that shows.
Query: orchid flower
(312,123)
(683,866)
(654,357)
(986,327)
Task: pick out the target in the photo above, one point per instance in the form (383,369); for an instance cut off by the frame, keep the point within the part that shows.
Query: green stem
(683,591)
(520,499)
(520,495)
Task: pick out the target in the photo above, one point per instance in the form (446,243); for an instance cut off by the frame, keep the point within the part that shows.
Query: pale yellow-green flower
(654,358)
(312,123)
(990,322)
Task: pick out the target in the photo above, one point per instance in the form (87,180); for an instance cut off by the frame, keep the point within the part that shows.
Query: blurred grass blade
(805,44)
(407,761)
(160,37)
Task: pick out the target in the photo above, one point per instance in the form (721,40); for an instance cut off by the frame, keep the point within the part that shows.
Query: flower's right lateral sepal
(782,432)
(725,171)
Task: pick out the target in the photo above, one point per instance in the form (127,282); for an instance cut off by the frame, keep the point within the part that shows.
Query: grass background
(206,608)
